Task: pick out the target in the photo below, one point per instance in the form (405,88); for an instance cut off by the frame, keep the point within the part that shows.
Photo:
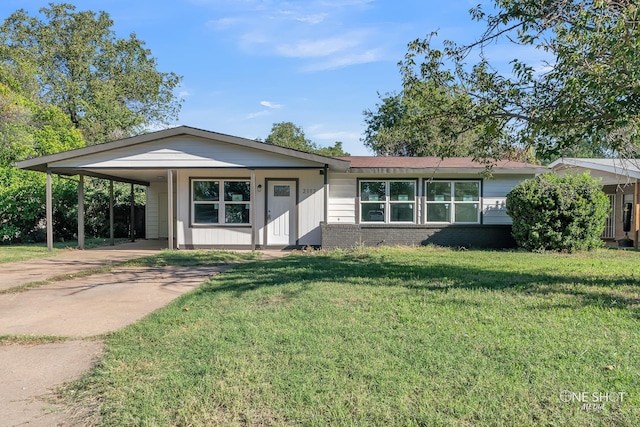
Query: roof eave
(41,163)
(573,163)
(448,170)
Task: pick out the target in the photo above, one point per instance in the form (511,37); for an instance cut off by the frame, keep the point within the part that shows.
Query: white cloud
(222,23)
(257,114)
(305,31)
(345,3)
(312,19)
(270,104)
(315,48)
(346,60)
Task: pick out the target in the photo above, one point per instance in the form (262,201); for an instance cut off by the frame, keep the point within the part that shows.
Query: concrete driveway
(79,308)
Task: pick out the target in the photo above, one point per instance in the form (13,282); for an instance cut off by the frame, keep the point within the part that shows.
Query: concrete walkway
(76,308)
(71,261)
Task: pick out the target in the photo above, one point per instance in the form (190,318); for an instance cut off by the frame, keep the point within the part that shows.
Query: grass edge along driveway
(386,336)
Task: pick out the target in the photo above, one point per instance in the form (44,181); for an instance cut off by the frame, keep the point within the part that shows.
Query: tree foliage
(558,213)
(288,135)
(30,128)
(586,97)
(108,86)
(416,123)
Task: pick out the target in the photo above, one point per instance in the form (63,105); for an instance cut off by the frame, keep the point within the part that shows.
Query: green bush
(557,213)
(23,212)
(21,208)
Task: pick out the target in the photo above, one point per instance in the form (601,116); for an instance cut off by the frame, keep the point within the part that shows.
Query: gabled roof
(144,158)
(40,163)
(621,168)
(372,164)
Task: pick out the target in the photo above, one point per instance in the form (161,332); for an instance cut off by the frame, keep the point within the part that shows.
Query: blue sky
(247,64)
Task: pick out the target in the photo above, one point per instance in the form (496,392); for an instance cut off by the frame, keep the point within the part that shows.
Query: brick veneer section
(347,236)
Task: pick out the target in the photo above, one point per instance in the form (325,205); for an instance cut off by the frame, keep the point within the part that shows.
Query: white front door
(281,213)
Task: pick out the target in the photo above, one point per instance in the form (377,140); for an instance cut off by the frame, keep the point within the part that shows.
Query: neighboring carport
(619,178)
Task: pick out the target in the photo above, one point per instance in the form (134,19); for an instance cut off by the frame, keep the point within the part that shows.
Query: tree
(587,95)
(557,213)
(108,86)
(30,128)
(288,135)
(416,122)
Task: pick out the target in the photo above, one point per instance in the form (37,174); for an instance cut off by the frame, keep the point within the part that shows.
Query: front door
(281,213)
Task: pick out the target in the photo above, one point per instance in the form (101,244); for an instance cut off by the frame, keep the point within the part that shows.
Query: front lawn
(387,336)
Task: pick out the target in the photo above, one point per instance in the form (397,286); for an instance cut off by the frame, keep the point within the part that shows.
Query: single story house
(619,179)
(209,190)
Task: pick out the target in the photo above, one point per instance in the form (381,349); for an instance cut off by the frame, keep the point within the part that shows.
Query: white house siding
(310,209)
(183,152)
(494,190)
(188,236)
(152,210)
(343,190)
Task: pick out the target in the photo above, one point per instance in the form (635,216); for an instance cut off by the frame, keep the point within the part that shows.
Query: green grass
(30,339)
(15,253)
(388,337)
(193,258)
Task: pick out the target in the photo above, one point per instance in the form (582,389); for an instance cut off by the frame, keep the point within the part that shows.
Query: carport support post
(636,214)
(252,196)
(170,209)
(112,240)
(326,194)
(49,212)
(133,214)
(81,212)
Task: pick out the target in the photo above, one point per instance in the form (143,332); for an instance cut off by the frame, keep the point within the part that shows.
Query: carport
(619,179)
(205,189)
(46,164)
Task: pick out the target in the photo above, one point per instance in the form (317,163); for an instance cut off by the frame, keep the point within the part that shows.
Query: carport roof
(44,163)
(611,171)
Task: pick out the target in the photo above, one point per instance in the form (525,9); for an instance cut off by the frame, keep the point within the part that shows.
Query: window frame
(451,201)
(387,202)
(221,202)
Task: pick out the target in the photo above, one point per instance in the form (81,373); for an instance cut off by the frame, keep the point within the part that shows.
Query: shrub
(557,213)
(22,207)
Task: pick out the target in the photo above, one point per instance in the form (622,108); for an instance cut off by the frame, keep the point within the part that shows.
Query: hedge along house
(619,179)
(209,190)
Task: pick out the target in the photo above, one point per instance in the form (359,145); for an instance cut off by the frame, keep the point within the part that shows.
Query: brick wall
(347,236)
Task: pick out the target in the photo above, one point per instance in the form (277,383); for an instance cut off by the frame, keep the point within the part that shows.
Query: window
(220,202)
(387,201)
(453,201)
